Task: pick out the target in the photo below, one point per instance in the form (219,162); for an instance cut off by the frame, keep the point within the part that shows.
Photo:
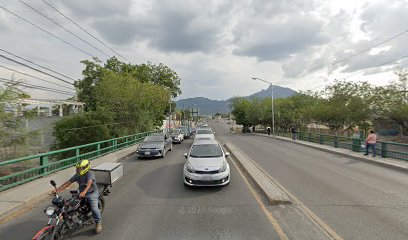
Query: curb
(375,162)
(273,194)
(30,203)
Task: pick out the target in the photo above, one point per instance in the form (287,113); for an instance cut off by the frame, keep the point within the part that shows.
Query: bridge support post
(61,111)
(384,150)
(336,141)
(43,162)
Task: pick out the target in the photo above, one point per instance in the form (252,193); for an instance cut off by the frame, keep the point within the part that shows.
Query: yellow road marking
(319,222)
(15,214)
(268,214)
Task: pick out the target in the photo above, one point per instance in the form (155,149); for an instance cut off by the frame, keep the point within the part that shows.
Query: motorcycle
(69,215)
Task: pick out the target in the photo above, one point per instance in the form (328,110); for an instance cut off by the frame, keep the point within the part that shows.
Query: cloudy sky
(216,46)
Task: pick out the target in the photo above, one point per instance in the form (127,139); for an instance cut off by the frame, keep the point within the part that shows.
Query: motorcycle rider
(88,189)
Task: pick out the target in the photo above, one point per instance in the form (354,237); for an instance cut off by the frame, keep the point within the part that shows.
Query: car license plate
(207,178)
(147,153)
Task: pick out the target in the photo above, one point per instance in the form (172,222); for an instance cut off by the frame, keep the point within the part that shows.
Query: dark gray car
(186,131)
(154,145)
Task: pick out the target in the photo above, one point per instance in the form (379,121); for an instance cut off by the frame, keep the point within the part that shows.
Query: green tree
(146,73)
(12,131)
(139,106)
(240,109)
(83,128)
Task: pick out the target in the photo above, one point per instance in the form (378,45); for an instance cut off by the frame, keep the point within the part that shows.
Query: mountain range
(207,106)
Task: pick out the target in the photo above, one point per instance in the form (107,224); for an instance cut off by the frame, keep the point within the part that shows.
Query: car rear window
(204,131)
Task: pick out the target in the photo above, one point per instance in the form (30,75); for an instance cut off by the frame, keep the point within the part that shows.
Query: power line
(59,25)
(83,29)
(33,86)
(29,75)
(356,54)
(35,69)
(46,31)
(14,55)
(93,126)
(365,70)
(369,48)
(383,64)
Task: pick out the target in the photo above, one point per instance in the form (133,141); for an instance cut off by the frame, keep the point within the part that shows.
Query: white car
(204,134)
(206,165)
(176,135)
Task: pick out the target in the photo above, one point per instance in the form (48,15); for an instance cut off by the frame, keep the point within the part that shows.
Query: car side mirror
(53,183)
(227,154)
(185,155)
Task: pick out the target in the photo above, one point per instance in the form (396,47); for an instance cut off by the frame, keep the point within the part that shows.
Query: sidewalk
(387,162)
(19,199)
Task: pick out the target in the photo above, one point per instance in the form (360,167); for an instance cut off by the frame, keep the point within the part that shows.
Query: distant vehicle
(186,131)
(204,134)
(206,165)
(193,131)
(176,135)
(155,145)
(204,125)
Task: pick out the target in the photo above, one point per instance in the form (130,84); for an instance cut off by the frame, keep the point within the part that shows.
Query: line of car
(206,163)
(158,144)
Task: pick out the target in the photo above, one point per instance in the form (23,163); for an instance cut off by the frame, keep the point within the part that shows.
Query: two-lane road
(151,202)
(356,199)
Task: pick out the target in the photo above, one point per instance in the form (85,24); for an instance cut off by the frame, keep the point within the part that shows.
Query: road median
(270,190)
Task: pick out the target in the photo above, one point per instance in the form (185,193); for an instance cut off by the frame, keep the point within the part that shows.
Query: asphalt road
(356,199)
(151,202)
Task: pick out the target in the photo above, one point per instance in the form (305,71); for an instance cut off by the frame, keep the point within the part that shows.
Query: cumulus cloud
(216,46)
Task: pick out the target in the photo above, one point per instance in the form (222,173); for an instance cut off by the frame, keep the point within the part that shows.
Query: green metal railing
(383,149)
(28,168)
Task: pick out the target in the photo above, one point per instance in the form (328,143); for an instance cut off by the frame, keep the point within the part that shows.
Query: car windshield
(206,151)
(153,139)
(174,131)
(204,131)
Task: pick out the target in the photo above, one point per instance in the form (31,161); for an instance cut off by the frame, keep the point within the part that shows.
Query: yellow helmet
(83,166)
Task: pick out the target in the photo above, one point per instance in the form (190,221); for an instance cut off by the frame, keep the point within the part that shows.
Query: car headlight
(223,167)
(190,169)
(50,210)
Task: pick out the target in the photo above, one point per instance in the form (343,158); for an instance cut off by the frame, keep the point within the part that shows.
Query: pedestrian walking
(293,130)
(269,130)
(371,142)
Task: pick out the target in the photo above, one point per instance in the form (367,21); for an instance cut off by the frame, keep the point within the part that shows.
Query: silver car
(206,164)
(204,134)
(155,145)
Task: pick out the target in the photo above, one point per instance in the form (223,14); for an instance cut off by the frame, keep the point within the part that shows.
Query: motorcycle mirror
(53,183)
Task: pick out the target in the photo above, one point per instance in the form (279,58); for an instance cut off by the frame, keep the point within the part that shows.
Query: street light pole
(169,115)
(273,110)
